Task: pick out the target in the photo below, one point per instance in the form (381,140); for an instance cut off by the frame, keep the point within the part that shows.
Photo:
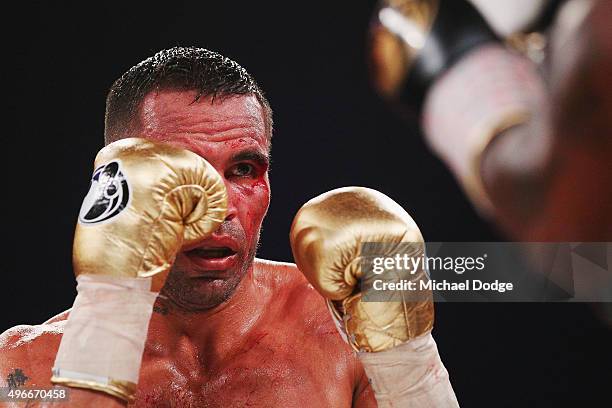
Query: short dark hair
(188,68)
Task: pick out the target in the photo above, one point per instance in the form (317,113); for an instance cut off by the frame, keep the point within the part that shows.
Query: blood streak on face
(230,134)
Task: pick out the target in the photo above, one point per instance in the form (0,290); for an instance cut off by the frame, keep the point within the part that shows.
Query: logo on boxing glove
(108,196)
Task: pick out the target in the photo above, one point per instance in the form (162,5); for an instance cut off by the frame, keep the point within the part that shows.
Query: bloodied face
(230,133)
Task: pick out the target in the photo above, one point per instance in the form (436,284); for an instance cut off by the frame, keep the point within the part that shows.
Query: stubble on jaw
(181,292)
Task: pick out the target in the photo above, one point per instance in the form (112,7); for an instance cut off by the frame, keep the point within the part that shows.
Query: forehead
(176,116)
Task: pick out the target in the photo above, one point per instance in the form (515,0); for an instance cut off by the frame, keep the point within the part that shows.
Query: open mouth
(211,260)
(211,253)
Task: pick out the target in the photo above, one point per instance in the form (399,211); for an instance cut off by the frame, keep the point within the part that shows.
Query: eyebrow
(251,155)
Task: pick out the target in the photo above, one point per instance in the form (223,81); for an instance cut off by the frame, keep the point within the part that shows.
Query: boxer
(227,329)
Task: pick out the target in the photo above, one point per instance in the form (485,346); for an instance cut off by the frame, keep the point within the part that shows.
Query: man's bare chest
(265,375)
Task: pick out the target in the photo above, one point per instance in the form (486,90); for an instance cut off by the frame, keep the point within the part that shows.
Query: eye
(241,170)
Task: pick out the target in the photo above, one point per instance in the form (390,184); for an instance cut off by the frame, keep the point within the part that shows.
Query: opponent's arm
(475,98)
(146,200)
(331,238)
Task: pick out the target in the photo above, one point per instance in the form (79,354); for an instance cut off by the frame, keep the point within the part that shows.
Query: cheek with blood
(258,187)
(254,200)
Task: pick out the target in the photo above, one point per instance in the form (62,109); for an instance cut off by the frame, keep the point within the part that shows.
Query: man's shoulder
(29,350)
(304,310)
(297,298)
(284,277)
(32,338)
(278,275)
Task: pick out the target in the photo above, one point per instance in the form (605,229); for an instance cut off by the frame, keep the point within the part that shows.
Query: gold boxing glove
(327,238)
(146,200)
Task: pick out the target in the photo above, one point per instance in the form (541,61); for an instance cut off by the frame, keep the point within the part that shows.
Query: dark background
(331,131)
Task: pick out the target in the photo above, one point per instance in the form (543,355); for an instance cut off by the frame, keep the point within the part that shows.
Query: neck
(208,331)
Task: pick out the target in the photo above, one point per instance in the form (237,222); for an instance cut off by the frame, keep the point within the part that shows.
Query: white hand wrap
(488,91)
(105,335)
(410,375)
(509,17)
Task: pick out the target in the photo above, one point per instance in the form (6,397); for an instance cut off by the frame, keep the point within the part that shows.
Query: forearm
(517,170)
(481,116)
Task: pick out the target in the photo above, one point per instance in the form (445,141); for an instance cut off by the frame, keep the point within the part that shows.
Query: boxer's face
(230,135)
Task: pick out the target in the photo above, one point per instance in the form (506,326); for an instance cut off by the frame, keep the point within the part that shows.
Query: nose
(231,212)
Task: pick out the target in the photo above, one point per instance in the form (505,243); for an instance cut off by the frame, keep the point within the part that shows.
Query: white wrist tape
(508,17)
(105,334)
(488,91)
(410,375)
